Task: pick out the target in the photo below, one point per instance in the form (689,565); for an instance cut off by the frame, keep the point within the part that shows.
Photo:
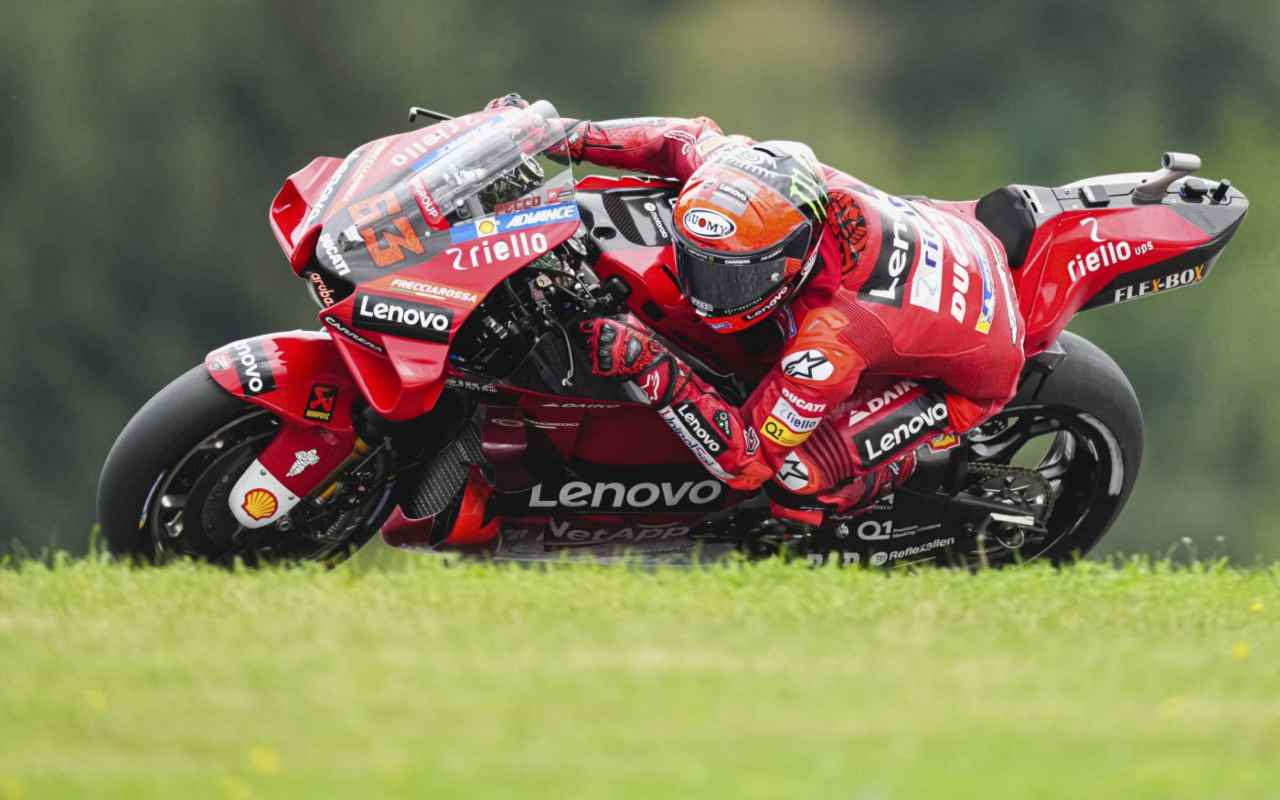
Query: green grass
(414,679)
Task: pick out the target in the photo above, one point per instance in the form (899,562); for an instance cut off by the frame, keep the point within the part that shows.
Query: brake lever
(416,111)
(567,380)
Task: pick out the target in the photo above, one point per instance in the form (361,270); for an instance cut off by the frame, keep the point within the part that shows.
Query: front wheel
(164,488)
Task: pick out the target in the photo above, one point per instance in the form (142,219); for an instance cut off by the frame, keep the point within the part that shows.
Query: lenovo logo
(580,494)
(402,317)
(903,426)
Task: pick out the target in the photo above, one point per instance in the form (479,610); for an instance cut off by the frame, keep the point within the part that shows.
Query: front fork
(300,377)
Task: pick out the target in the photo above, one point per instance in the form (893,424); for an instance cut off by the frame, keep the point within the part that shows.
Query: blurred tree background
(143,140)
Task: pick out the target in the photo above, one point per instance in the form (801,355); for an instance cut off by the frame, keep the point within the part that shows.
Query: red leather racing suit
(908,332)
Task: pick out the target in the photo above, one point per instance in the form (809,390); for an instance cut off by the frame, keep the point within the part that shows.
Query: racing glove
(621,348)
(712,429)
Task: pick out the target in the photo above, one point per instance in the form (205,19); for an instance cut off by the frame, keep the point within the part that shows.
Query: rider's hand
(576,132)
(512,100)
(621,348)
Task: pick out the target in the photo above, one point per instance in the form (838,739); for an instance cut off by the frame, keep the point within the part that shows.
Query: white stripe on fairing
(1113,445)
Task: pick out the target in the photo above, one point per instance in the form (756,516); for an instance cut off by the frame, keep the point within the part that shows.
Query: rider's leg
(863,449)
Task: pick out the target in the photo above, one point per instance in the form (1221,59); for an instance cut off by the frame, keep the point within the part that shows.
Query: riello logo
(1107,254)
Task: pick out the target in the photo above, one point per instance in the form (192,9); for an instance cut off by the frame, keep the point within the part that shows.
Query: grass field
(416,679)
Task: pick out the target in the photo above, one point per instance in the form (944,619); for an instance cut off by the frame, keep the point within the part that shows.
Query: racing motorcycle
(444,400)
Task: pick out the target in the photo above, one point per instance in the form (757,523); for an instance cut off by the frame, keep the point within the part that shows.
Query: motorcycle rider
(870,293)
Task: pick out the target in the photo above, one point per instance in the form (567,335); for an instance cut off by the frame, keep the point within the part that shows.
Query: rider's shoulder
(839,181)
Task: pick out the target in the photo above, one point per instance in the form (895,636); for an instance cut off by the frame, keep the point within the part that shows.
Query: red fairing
(312,195)
(292,220)
(401,377)
(300,378)
(1078,253)
(406,261)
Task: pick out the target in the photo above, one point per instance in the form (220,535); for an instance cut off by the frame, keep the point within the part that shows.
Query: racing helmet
(747,229)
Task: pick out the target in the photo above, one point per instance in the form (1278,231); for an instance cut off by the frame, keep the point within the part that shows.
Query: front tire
(162,491)
(154,439)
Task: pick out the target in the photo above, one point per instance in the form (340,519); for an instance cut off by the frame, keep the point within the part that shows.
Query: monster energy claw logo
(807,191)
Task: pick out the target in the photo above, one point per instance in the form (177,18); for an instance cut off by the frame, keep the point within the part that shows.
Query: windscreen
(406,199)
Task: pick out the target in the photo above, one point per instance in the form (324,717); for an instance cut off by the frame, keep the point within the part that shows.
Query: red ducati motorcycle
(445,400)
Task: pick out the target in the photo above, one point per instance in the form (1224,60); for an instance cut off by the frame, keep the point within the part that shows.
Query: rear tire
(1078,428)
(1090,383)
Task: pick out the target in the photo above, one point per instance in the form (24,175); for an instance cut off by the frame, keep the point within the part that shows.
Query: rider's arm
(742,447)
(669,147)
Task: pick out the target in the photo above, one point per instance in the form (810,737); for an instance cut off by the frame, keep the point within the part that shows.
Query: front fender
(280,371)
(300,377)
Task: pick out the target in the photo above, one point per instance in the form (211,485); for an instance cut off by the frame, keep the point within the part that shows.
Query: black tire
(1078,427)
(176,440)
(1089,382)
(163,429)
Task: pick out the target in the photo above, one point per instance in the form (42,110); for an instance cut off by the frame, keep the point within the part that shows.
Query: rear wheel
(164,488)
(1073,441)
(1067,448)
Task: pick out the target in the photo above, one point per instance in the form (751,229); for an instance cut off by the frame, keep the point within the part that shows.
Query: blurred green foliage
(142,142)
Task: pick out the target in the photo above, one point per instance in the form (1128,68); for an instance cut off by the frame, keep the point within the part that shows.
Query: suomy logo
(707,224)
(580,494)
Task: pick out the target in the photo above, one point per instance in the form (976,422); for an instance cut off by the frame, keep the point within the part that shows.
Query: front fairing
(409,233)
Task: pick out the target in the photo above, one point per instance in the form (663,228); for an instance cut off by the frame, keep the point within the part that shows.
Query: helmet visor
(721,284)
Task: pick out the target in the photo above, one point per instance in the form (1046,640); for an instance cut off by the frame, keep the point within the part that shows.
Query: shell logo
(486,227)
(260,504)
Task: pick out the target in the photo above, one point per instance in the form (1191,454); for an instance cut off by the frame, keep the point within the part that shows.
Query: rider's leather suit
(908,332)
